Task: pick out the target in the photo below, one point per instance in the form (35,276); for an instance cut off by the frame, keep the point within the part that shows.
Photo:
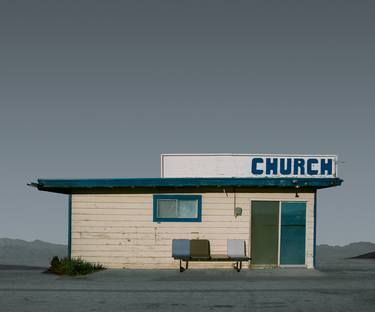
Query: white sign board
(248,166)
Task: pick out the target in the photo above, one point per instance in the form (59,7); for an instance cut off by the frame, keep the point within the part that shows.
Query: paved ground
(342,286)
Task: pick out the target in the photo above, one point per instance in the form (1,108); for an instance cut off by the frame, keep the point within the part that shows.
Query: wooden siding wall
(117,230)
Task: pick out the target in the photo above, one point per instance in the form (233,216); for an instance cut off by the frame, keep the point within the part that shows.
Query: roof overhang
(71,186)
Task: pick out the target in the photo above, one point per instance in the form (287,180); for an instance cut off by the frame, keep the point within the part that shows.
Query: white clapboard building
(267,200)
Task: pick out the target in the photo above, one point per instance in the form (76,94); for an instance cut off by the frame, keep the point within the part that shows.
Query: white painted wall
(117,230)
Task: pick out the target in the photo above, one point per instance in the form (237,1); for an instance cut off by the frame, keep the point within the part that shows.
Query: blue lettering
(310,170)
(299,166)
(254,166)
(326,167)
(271,165)
(285,169)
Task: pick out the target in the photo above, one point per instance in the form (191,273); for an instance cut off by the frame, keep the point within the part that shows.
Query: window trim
(198,198)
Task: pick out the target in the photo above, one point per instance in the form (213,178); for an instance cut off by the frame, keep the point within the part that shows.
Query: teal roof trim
(76,185)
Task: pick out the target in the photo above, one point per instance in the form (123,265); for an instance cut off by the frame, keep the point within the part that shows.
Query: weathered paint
(118,231)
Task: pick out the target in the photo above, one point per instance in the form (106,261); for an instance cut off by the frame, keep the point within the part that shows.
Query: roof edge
(69,186)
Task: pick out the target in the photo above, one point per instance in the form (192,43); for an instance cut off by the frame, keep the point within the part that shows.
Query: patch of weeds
(72,267)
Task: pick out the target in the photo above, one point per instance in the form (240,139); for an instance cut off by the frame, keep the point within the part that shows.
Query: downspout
(314,251)
(70,227)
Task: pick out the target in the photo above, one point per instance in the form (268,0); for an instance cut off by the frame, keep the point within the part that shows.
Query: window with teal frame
(177,208)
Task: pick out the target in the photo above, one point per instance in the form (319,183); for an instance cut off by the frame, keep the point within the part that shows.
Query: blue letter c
(254,166)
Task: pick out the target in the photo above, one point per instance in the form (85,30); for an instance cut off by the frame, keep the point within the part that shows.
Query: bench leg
(181,267)
(238,266)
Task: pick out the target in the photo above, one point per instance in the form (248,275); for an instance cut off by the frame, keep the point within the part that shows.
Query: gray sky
(101,88)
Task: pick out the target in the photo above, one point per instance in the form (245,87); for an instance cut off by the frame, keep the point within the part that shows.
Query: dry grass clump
(72,267)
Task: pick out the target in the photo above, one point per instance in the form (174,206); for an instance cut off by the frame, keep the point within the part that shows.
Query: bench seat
(199,250)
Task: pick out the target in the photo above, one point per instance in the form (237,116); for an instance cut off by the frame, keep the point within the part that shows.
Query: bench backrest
(200,248)
(181,248)
(236,248)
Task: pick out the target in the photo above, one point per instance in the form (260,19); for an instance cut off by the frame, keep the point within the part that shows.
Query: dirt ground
(345,285)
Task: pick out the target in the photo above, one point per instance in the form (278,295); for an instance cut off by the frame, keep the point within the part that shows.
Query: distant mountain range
(327,252)
(39,253)
(36,253)
(370,255)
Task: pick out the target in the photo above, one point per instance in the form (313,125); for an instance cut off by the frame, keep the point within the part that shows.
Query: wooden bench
(199,250)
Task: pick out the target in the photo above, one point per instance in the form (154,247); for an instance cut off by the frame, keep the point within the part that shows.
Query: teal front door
(293,233)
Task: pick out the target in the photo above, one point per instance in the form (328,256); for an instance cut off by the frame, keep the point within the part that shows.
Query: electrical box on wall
(237,211)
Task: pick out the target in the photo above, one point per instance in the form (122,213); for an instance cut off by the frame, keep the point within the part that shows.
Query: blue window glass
(177,208)
(293,233)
